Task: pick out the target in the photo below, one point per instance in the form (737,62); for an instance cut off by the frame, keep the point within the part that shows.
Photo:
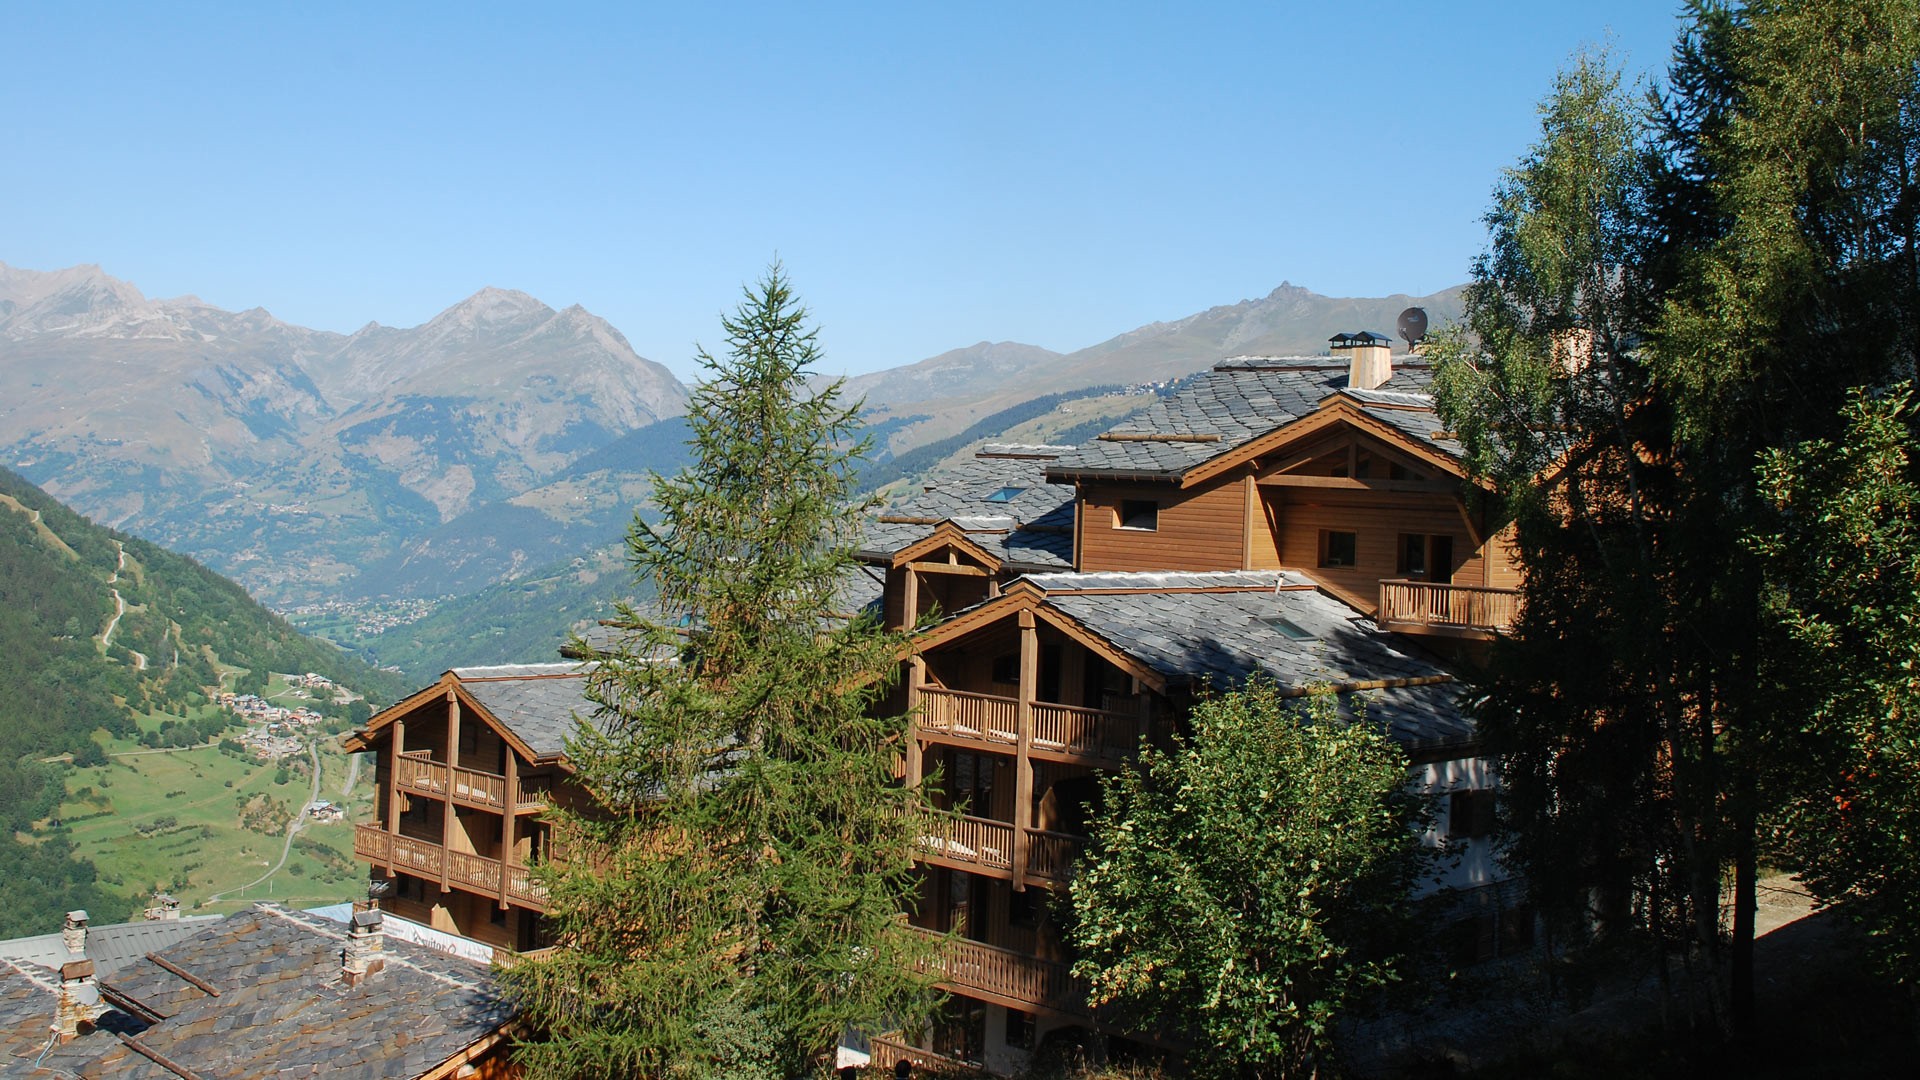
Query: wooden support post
(910,600)
(1023,765)
(446,809)
(916,678)
(508,858)
(394,750)
(1250,510)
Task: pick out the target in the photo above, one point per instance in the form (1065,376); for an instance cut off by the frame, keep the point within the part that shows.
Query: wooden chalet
(1303,518)
(464,769)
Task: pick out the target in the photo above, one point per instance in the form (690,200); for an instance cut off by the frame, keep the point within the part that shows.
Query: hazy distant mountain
(955,373)
(290,457)
(955,388)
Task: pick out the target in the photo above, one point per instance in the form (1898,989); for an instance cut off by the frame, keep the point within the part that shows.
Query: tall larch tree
(733,906)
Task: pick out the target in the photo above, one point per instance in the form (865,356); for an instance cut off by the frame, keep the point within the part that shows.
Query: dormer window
(1005,495)
(1142,514)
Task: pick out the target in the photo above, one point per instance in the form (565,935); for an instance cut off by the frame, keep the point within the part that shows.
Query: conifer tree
(1718,288)
(733,907)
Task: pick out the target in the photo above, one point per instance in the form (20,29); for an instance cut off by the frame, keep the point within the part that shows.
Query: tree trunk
(1745,902)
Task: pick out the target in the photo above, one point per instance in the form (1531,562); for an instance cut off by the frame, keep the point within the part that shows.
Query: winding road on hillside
(119,606)
(293,829)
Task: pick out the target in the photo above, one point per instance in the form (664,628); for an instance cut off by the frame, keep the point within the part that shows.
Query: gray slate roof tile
(538,702)
(1222,638)
(1240,399)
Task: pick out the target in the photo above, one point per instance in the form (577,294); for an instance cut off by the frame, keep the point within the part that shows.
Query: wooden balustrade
(1425,607)
(371,843)
(888,1050)
(1011,978)
(980,716)
(473,873)
(1059,729)
(974,842)
(1051,855)
(470,787)
(1070,729)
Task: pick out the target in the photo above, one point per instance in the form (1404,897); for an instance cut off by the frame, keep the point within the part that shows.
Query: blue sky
(932,174)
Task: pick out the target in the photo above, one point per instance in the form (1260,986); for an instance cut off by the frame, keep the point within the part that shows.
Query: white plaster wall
(1469,863)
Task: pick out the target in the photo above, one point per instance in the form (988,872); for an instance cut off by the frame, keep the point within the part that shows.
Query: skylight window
(1005,494)
(1288,628)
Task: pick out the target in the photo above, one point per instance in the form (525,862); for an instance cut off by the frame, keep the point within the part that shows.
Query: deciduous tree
(1243,887)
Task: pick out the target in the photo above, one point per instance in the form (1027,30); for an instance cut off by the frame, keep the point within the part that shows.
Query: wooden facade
(1018,714)
(458,821)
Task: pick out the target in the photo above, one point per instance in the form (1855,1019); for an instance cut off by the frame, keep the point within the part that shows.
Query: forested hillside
(93,626)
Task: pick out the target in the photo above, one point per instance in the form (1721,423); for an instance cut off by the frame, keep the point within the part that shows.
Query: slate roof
(537,702)
(110,947)
(1240,399)
(1222,637)
(283,1010)
(1033,528)
(27,1002)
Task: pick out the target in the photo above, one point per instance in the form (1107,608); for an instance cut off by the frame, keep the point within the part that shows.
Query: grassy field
(201,823)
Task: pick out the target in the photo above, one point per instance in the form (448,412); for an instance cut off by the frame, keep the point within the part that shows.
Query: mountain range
(500,439)
(291,457)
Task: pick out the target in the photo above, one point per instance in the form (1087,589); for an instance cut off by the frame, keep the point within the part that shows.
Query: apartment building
(1306,519)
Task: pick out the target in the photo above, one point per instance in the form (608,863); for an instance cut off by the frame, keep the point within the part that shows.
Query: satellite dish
(1413,325)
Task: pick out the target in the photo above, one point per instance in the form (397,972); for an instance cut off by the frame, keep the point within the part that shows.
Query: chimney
(79,995)
(73,934)
(365,944)
(1370,359)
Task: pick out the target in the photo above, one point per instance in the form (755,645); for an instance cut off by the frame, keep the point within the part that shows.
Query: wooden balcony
(1060,732)
(984,846)
(887,1051)
(1051,855)
(1469,611)
(467,787)
(425,859)
(1010,978)
(1080,733)
(970,843)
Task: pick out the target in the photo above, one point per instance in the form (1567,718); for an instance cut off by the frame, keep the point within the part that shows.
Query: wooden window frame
(1130,514)
(1326,549)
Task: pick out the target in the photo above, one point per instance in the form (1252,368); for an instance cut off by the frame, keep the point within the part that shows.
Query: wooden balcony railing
(1051,855)
(1069,729)
(1010,978)
(887,1051)
(474,873)
(974,716)
(1059,729)
(1423,607)
(974,843)
(469,787)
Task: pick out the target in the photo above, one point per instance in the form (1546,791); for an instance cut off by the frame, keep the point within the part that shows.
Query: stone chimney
(79,995)
(366,944)
(1370,358)
(73,934)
